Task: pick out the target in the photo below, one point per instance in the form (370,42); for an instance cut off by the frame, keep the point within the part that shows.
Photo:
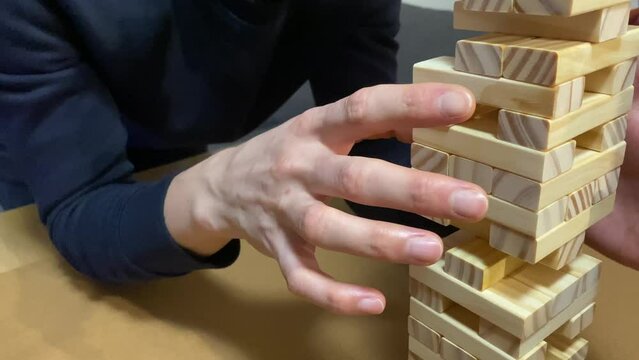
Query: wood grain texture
(503,6)
(526,221)
(613,79)
(562,7)
(595,26)
(606,136)
(478,265)
(606,185)
(533,250)
(580,200)
(561,349)
(425,158)
(551,62)
(550,102)
(428,296)
(420,352)
(542,134)
(476,140)
(565,254)
(589,166)
(472,171)
(451,351)
(483,55)
(578,323)
(425,335)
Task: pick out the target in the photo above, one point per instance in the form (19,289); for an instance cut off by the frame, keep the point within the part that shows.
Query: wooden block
(562,349)
(551,62)
(451,351)
(613,79)
(606,185)
(479,229)
(533,250)
(526,221)
(483,55)
(425,335)
(542,134)
(562,7)
(606,136)
(510,304)
(472,171)
(456,239)
(504,6)
(565,254)
(440,221)
(418,351)
(580,201)
(589,166)
(533,99)
(476,140)
(478,265)
(425,158)
(578,323)
(428,296)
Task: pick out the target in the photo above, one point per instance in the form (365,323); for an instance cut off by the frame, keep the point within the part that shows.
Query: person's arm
(64,131)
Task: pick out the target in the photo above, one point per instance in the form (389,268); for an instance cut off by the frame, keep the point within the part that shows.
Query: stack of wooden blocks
(553,80)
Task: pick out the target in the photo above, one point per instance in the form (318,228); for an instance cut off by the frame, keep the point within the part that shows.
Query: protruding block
(425,158)
(562,7)
(478,265)
(551,62)
(472,171)
(589,166)
(605,136)
(504,6)
(606,185)
(451,351)
(483,55)
(440,221)
(550,102)
(613,79)
(578,323)
(418,351)
(580,201)
(526,221)
(479,229)
(562,349)
(428,296)
(425,335)
(565,254)
(476,140)
(595,26)
(542,134)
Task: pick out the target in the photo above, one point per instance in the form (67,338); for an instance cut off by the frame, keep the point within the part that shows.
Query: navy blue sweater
(85,83)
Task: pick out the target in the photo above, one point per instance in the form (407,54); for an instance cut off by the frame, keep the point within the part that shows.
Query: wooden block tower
(553,81)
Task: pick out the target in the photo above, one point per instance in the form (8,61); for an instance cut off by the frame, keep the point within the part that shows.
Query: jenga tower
(553,80)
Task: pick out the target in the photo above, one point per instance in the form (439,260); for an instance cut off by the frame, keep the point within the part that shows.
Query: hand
(271,191)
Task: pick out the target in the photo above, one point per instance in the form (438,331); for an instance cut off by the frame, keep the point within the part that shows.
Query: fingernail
(371,306)
(425,250)
(455,104)
(469,204)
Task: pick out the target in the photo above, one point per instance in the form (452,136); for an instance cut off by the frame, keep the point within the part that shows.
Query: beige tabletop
(47,311)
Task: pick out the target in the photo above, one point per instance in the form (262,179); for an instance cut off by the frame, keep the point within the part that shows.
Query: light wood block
(425,335)
(419,351)
(428,296)
(578,323)
(606,136)
(526,221)
(613,79)
(533,250)
(456,239)
(478,265)
(440,221)
(425,158)
(476,140)
(562,7)
(484,55)
(451,351)
(562,349)
(504,6)
(606,185)
(580,200)
(589,166)
(596,26)
(542,134)
(565,254)
(479,229)
(551,62)
(472,171)
(519,309)
(533,99)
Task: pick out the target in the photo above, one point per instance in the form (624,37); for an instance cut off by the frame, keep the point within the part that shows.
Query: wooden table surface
(47,311)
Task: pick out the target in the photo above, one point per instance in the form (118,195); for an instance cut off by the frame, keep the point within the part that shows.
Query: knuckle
(351,178)
(295,283)
(286,166)
(312,224)
(357,106)
(333,302)
(420,193)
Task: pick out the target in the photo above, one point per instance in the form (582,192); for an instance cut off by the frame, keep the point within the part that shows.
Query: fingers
(335,230)
(305,279)
(378,183)
(371,112)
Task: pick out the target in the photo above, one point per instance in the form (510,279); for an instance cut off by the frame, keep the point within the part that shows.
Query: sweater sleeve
(64,130)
